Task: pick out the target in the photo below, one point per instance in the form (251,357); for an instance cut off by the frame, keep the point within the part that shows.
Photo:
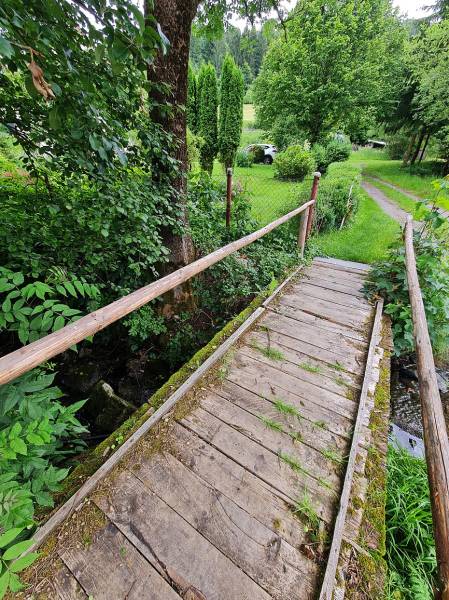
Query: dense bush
(257,153)
(338,197)
(338,150)
(397,145)
(244,159)
(284,133)
(389,279)
(294,163)
(320,156)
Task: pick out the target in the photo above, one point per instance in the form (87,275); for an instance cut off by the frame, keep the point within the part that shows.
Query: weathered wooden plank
(249,492)
(334,552)
(350,363)
(276,441)
(333,283)
(259,552)
(64,586)
(348,316)
(324,370)
(342,274)
(341,298)
(261,462)
(111,565)
(320,438)
(292,311)
(344,265)
(165,539)
(304,371)
(323,415)
(256,376)
(328,340)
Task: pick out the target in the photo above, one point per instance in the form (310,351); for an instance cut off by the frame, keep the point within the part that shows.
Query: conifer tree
(231,111)
(208,105)
(192,101)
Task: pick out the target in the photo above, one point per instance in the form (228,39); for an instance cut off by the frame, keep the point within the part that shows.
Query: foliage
(244,159)
(284,132)
(294,163)
(429,64)
(11,561)
(86,233)
(410,544)
(319,154)
(389,279)
(338,197)
(95,79)
(34,309)
(231,111)
(356,46)
(194,143)
(397,145)
(192,101)
(208,104)
(144,323)
(36,433)
(338,150)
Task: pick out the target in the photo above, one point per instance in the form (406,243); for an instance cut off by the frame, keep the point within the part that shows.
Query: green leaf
(9,536)
(18,279)
(5,48)
(59,323)
(18,549)
(138,16)
(54,118)
(24,562)
(4,582)
(19,446)
(69,287)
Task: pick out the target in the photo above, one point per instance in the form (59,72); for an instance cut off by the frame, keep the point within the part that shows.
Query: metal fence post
(313,195)
(228,196)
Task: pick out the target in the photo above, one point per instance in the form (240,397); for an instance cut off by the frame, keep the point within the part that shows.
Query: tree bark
(421,156)
(418,146)
(410,147)
(175,19)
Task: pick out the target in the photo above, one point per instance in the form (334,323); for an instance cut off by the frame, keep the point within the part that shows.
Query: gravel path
(444,213)
(387,205)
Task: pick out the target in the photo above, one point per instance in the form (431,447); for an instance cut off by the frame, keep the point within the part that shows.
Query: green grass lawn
(365,240)
(398,198)
(376,163)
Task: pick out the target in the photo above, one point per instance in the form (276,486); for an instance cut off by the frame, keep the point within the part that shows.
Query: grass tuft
(310,368)
(272,353)
(270,424)
(287,409)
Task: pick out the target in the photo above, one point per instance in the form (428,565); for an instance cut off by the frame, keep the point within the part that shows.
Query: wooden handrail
(20,361)
(435,432)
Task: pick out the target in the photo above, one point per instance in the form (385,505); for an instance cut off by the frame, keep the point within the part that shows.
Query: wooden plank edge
(345,264)
(67,509)
(281,286)
(334,552)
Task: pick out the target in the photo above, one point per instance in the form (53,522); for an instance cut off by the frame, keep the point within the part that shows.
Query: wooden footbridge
(248,483)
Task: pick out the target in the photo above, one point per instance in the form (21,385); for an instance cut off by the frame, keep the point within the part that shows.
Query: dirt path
(387,205)
(442,212)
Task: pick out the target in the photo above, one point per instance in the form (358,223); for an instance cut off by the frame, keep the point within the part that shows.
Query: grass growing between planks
(365,240)
(410,544)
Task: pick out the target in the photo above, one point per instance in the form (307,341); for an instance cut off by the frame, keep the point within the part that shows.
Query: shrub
(338,200)
(389,279)
(285,132)
(338,151)
(294,163)
(257,153)
(397,145)
(320,156)
(244,159)
(207,94)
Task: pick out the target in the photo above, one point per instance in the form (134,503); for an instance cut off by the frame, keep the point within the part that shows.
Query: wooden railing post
(228,196)
(313,196)
(302,232)
(434,426)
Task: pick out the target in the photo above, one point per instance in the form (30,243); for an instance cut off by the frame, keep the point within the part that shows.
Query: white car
(269,152)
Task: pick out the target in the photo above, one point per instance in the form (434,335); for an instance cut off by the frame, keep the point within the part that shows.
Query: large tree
(337,57)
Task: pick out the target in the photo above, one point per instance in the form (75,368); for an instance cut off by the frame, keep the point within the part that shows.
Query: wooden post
(302,232)
(228,196)
(313,195)
(434,426)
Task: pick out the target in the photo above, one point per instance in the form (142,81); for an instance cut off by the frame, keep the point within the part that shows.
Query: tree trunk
(175,19)
(421,156)
(410,147)
(418,146)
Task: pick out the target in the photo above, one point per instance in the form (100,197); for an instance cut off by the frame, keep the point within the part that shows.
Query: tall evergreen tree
(231,111)
(192,101)
(208,105)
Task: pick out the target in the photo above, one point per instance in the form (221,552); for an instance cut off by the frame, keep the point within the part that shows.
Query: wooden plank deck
(216,512)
